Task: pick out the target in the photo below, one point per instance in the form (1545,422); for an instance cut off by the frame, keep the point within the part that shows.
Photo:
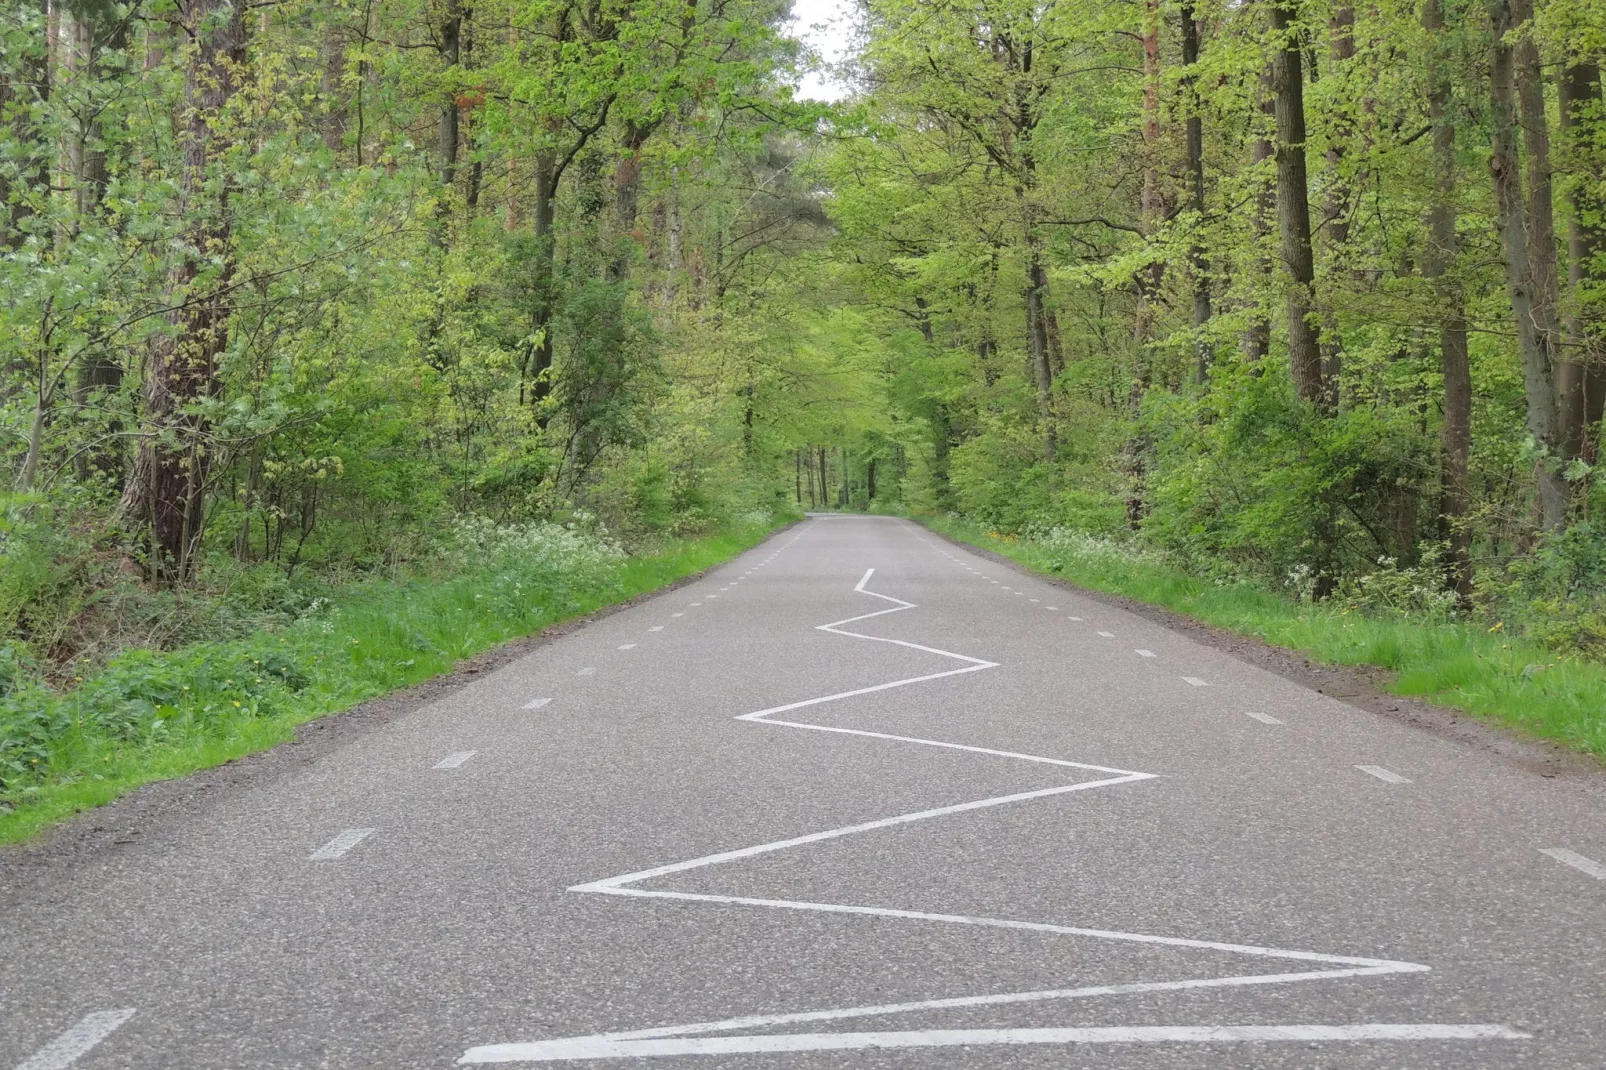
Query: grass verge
(157,716)
(1463,666)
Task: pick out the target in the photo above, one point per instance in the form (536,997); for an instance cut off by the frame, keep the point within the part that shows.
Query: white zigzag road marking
(684,1039)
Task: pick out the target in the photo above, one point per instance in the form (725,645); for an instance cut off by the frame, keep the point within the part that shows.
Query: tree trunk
(1341,49)
(1533,339)
(1437,261)
(539,363)
(1194,136)
(451,44)
(1257,338)
(1581,374)
(165,492)
(1293,209)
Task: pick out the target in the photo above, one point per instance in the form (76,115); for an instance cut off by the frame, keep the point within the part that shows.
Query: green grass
(155,716)
(1463,666)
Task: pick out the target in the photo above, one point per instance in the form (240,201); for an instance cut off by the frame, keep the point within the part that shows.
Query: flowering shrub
(1063,546)
(581,545)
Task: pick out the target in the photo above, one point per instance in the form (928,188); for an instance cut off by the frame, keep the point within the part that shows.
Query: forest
(344,303)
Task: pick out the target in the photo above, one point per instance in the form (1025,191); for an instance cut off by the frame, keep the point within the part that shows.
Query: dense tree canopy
(1295,290)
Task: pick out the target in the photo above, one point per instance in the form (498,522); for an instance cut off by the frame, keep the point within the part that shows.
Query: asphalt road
(857,799)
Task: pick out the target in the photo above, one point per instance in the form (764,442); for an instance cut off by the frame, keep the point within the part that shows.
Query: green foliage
(150,714)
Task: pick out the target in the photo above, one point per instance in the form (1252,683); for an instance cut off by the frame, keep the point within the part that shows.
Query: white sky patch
(826,28)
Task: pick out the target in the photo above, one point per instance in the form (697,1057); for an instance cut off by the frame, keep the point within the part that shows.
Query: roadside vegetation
(150,714)
(1399,620)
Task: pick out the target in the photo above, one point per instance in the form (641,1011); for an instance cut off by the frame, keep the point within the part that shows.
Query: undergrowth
(151,715)
(1468,665)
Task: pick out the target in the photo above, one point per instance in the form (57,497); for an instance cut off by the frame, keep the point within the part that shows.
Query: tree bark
(451,46)
(1257,338)
(1437,262)
(1581,374)
(1194,137)
(1293,209)
(1534,339)
(165,492)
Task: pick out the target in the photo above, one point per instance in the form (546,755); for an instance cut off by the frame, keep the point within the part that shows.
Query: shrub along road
(858,798)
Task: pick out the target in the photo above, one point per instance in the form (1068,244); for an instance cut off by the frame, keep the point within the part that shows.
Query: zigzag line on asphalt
(670,1040)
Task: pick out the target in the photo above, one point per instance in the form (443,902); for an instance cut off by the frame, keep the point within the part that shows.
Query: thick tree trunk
(626,196)
(1534,338)
(1581,374)
(1293,210)
(1437,262)
(165,492)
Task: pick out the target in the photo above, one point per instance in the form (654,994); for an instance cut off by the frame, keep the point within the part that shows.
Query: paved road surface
(859,799)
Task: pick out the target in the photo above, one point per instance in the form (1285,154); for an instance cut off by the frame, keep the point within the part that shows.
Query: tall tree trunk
(1257,338)
(1534,339)
(1437,262)
(1194,136)
(451,52)
(1293,208)
(626,195)
(1341,50)
(165,491)
(539,363)
(1581,374)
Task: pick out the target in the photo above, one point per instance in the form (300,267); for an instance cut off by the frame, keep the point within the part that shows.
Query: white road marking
(1069,617)
(1577,861)
(340,845)
(1195,681)
(608,1047)
(656,628)
(455,759)
(1144,653)
(1387,775)
(587,671)
(1330,966)
(536,703)
(76,1040)
(627,646)
(696,603)
(1052,609)
(1263,718)
(677,614)
(1035,600)
(1108,635)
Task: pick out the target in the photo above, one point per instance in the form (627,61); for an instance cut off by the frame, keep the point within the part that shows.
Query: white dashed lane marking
(455,759)
(1108,635)
(82,1035)
(587,671)
(536,703)
(1577,861)
(1263,718)
(1388,776)
(656,628)
(1144,653)
(338,846)
(627,646)
(1195,681)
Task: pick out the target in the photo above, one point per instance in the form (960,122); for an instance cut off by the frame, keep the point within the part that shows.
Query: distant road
(857,799)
